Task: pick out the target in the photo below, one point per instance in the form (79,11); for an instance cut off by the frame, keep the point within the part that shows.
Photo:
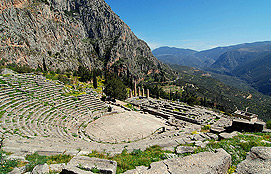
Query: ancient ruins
(39,116)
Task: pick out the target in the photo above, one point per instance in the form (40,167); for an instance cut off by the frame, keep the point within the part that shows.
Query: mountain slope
(215,53)
(257,73)
(52,34)
(179,56)
(215,56)
(245,61)
(223,95)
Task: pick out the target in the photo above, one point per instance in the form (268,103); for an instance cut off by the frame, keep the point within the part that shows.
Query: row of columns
(137,92)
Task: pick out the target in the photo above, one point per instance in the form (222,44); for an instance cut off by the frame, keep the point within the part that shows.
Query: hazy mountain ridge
(179,56)
(209,57)
(244,61)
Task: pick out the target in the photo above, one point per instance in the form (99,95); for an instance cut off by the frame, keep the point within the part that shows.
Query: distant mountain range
(249,61)
(171,55)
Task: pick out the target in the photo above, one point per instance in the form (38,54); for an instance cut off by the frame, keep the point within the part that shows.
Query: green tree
(83,73)
(95,84)
(115,88)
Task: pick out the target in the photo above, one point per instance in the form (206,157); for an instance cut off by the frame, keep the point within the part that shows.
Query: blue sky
(196,24)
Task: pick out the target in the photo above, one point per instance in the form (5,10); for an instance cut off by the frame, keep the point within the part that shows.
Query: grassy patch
(36,159)
(205,128)
(7,166)
(127,161)
(238,146)
(2,113)
(131,107)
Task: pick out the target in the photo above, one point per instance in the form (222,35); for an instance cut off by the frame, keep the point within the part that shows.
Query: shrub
(268,124)
(63,79)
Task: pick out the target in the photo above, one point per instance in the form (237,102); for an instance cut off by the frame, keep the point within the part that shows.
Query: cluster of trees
(86,75)
(114,87)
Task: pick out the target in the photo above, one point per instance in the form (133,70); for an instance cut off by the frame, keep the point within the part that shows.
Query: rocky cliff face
(63,34)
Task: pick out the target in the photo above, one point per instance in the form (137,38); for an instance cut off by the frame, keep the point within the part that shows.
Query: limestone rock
(267,142)
(137,170)
(73,170)
(228,135)
(15,157)
(212,136)
(57,167)
(41,169)
(201,144)
(185,149)
(180,141)
(217,129)
(89,163)
(62,34)
(204,135)
(203,163)
(17,170)
(198,137)
(243,141)
(258,161)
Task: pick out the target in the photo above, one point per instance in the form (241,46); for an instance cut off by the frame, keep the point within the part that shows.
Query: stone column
(143,92)
(135,95)
(130,93)
(148,93)
(139,91)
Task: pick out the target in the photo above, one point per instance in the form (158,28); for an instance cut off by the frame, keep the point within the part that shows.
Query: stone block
(203,163)
(228,135)
(212,136)
(89,163)
(41,169)
(57,167)
(185,149)
(74,170)
(258,161)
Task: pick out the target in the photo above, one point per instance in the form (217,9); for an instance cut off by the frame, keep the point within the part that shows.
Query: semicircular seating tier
(31,105)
